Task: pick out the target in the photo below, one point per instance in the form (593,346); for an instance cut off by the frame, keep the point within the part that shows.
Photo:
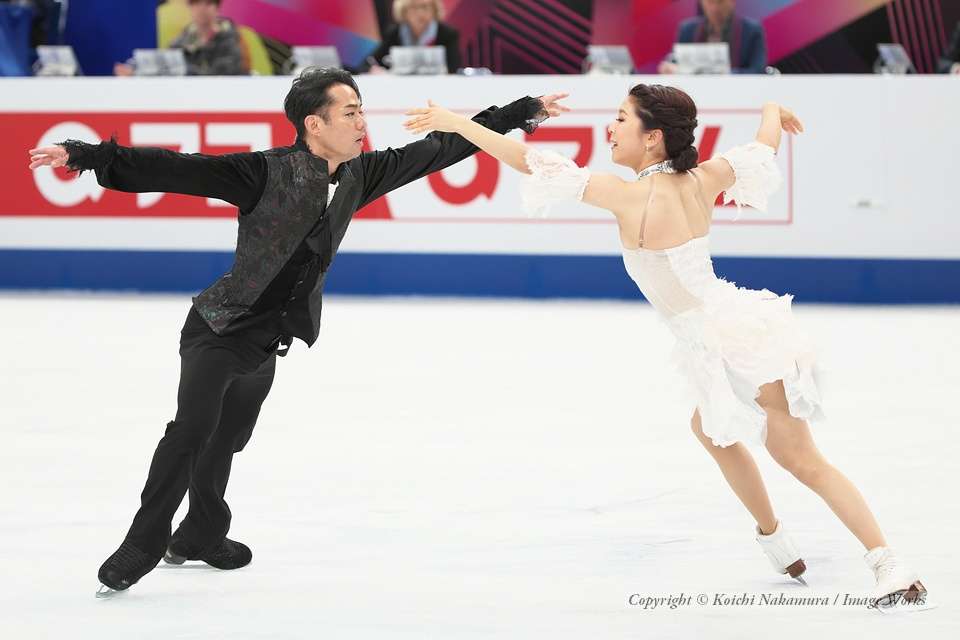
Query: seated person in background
(42,10)
(950,60)
(417,24)
(210,43)
(720,23)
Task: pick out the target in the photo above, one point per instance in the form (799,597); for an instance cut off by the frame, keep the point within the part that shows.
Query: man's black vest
(293,202)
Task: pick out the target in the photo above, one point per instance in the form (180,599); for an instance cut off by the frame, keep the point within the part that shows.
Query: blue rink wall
(881,281)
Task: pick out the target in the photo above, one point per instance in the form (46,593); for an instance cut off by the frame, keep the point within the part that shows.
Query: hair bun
(687,159)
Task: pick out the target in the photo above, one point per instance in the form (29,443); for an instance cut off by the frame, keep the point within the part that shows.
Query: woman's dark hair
(216,2)
(309,94)
(673,112)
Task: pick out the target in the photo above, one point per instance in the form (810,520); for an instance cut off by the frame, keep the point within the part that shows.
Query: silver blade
(106,592)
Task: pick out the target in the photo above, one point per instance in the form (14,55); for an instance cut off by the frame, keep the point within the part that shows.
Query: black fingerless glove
(83,156)
(526,113)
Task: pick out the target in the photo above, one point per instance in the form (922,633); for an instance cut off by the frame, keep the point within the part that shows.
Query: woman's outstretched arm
(436,118)
(775,119)
(603,190)
(718,173)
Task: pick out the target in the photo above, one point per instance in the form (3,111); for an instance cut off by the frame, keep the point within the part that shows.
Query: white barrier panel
(865,185)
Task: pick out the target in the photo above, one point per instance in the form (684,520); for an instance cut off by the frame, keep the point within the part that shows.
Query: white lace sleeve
(757,175)
(552,178)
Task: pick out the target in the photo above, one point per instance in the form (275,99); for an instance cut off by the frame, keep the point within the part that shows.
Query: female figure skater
(748,366)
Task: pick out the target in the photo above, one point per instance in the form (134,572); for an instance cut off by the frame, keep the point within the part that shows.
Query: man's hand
(55,156)
(552,104)
(955,69)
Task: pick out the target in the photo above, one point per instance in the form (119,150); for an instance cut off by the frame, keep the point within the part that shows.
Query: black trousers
(223,382)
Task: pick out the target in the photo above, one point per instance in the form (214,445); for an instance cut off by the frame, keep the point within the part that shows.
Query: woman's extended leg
(743,476)
(790,443)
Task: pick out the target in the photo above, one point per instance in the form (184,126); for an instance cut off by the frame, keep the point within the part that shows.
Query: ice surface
(464,469)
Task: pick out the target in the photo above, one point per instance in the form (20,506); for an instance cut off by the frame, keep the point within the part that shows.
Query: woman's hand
(55,156)
(436,118)
(433,118)
(789,121)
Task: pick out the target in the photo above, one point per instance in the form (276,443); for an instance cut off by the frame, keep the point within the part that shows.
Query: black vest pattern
(293,202)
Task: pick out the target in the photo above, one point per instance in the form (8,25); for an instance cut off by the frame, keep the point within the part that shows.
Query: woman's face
(419,14)
(626,136)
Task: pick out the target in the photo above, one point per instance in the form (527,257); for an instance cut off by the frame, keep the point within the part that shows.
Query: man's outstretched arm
(238,178)
(384,171)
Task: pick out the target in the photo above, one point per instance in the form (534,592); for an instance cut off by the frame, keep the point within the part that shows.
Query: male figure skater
(295,204)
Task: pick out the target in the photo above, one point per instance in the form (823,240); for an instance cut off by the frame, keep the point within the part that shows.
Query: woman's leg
(743,476)
(790,443)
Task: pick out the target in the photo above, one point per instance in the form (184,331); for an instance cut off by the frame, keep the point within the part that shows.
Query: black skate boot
(179,551)
(124,568)
(227,554)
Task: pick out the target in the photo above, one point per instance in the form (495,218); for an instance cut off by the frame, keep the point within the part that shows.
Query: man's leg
(207,370)
(209,364)
(208,519)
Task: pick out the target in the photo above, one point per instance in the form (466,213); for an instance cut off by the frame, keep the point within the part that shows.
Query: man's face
(341,132)
(204,12)
(718,11)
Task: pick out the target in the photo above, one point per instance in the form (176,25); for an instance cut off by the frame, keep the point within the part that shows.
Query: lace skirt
(737,341)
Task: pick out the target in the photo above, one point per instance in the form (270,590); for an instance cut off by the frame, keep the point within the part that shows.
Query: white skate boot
(782,553)
(898,586)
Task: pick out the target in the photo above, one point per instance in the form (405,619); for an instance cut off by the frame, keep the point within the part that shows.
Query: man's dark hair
(309,94)
(216,2)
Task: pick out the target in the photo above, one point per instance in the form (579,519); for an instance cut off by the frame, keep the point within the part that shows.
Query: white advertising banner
(869,178)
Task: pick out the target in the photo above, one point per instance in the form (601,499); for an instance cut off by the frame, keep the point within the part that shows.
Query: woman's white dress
(730,340)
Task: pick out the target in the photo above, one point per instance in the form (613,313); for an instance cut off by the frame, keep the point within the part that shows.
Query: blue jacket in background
(15,25)
(748,44)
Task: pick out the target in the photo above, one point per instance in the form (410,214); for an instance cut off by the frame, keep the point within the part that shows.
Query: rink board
(863,214)
(603,277)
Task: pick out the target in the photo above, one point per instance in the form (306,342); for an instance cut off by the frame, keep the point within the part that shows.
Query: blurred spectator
(418,23)
(720,23)
(15,21)
(44,13)
(950,60)
(210,43)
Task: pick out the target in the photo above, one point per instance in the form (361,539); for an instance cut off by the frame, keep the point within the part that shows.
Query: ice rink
(466,469)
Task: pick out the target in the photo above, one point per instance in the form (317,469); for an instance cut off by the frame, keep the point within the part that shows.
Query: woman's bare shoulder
(612,192)
(715,175)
